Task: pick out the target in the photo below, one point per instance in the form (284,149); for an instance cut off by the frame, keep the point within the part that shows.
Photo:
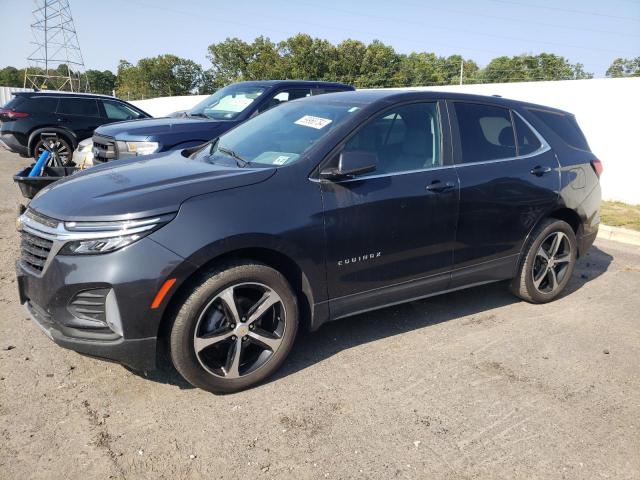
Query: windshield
(278,136)
(227,103)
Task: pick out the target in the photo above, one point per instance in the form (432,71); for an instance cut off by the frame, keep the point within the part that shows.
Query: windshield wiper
(199,115)
(241,161)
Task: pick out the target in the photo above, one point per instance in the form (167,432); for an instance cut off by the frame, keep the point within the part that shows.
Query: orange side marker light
(162,292)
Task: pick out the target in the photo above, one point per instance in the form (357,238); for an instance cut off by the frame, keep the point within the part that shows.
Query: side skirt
(467,277)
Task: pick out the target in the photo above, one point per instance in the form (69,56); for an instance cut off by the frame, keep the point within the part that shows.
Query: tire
(539,280)
(62,145)
(259,317)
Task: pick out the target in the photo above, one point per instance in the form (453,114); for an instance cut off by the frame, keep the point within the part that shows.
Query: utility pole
(461,70)
(56,41)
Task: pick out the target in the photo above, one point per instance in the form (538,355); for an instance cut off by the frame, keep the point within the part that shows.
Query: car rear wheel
(235,328)
(59,145)
(550,258)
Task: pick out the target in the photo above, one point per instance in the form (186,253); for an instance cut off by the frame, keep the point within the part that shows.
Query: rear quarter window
(565,126)
(33,104)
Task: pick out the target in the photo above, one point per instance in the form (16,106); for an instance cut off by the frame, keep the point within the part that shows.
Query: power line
(568,10)
(527,21)
(448,28)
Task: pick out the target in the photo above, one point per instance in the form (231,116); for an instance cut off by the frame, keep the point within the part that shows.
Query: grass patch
(618,214)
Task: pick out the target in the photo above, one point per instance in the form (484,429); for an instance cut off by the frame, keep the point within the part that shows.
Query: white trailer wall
(6,93)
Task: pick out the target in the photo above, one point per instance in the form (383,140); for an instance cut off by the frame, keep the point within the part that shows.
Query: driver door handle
(539,170)
(437,186)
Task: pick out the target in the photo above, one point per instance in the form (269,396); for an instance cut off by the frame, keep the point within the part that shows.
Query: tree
(522,68)
(164,75)
(229,61)
(380,66)
(307,58)
(624,67)
(101,82)
(346,65)
(11,77)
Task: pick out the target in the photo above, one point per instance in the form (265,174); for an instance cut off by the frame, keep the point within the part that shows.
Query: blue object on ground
(37,168)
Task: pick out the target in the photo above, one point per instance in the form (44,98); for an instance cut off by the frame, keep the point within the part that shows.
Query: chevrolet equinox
(319,209)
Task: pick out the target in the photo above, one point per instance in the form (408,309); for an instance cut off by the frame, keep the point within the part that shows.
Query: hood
(162,128)
(139,188)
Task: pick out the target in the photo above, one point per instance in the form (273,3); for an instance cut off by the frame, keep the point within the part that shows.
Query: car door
(390,233)
(80,115)
(509,179)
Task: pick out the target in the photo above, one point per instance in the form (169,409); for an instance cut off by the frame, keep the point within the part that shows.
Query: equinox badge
(359,258)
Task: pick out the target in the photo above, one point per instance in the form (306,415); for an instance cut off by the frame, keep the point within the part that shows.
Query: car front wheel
(235,328)
(549,260)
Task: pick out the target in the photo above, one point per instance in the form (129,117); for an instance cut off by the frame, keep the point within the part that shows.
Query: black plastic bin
(29,186)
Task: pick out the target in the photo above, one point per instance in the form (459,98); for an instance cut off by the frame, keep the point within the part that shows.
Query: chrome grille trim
(104,148)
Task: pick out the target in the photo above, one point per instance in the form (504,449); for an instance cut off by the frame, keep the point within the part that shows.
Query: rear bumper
(139,354)
(11,143)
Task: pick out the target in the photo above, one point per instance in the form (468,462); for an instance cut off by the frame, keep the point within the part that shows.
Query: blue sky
(587,31)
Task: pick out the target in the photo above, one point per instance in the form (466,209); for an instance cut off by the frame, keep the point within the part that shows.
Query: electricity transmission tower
(56,62)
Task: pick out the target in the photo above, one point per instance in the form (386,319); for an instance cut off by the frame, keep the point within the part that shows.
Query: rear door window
(527,140)
(486,132)
(85,107)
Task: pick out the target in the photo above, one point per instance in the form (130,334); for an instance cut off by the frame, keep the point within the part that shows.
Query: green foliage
(164,75)
(101,82)
(624,67)
(525,68)
(307,58)
(11,77)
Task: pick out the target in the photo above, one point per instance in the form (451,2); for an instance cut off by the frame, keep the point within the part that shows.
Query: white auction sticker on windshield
(281,160)
(313,122)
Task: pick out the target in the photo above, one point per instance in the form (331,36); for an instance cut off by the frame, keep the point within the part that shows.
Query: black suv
(71,116)
(316,210)
(210,118)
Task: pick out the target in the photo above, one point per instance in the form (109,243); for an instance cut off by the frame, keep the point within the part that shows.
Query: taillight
(597,167)
(8,114)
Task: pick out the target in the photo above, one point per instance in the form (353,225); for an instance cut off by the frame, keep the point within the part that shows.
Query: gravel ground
(473,384)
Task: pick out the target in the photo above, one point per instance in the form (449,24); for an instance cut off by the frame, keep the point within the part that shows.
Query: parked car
(210,118)
(72,116)
(319,209)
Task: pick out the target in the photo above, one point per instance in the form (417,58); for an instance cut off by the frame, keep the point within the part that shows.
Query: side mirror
(351,164)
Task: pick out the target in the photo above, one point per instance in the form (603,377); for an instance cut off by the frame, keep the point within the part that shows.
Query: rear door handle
(437,186)
(62,120)
(539,170)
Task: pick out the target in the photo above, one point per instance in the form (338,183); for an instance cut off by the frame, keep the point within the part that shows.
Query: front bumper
(132,276)
(139,353)
(11,143)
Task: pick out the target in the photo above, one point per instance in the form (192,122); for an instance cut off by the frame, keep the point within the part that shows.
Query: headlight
(85,145)
(142,148)
(103,237)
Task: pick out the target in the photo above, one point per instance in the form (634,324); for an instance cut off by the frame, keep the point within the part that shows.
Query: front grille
(104,149)
(90,305)
(34,251)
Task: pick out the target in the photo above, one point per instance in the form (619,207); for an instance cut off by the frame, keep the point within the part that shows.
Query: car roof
(392,95)
(294,83)
(62,93)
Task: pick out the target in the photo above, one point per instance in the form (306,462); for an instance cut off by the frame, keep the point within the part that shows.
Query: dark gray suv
(316,210)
